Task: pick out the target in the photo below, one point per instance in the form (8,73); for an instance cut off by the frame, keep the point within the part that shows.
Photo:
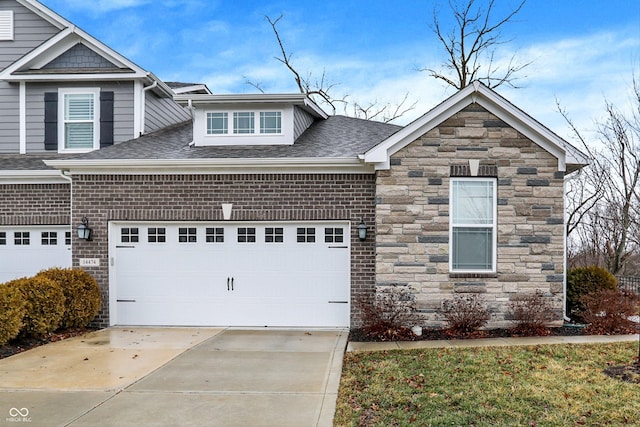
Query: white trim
(22,106)
(45,13)
(61,118)
(284,137)
(212,165)
(32,177)
(494,224)
(138,108)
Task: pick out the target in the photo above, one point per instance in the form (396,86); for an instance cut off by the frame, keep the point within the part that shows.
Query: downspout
(193,121)
(143,106)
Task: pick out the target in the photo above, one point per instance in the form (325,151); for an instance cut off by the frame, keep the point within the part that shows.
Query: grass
(553,385)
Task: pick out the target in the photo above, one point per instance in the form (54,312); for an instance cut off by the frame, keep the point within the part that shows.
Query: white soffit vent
(6,24)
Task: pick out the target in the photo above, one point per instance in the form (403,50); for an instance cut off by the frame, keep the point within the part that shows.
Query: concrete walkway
(488,342)
(176,376)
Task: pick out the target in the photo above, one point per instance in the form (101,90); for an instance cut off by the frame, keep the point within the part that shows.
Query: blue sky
(583,51)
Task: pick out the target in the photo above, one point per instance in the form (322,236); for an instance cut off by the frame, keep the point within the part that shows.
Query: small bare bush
(465,313)
(389,314)
(531,313)
(608,311)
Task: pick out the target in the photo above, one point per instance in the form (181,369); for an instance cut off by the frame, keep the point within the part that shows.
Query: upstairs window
(243,123)
(6,24)
(473,225)
(80,125)
(217,123)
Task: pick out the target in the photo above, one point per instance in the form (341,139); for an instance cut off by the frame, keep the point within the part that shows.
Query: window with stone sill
(473,225)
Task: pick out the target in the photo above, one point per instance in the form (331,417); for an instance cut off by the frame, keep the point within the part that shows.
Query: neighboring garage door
(235,274)
(25,250)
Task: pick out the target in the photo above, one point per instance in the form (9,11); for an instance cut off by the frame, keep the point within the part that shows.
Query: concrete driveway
(176,376)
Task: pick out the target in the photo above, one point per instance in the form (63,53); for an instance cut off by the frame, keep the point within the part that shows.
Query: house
(262,210)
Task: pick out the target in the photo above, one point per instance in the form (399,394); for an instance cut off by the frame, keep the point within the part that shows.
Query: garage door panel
(25,250)
(252,275)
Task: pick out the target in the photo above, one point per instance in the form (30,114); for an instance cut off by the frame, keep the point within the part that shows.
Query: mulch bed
(21,344)
(628,373)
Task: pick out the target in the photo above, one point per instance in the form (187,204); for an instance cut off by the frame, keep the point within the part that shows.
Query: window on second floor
(80,127)
(244,122)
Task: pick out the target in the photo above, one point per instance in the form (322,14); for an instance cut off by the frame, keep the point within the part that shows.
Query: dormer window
(244,122)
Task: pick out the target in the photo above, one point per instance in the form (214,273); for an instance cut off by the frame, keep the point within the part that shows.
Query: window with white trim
(129,235)
(187,235)
(274,235)
(6,25)
(79,128)
(67,238)
(214,235)
(243,123)
(246,235)
(306,235)
(217,123)
(156,235)
(3,238)
(333,235)
(473,205)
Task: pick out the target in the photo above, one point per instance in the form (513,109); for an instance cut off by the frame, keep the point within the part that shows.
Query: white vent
(6,24)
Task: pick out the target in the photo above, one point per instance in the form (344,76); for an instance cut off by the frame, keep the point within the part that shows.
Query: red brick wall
(255,197)
(34,204)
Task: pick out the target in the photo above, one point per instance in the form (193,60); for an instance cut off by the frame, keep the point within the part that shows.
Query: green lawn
(553,385)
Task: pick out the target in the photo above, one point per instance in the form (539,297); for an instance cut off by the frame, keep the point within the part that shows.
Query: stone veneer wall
(412,215)
(198,197)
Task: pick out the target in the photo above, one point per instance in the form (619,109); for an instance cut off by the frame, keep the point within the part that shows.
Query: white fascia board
(32,177)
(45,13)
(297,99)
(193,166)
(192,88)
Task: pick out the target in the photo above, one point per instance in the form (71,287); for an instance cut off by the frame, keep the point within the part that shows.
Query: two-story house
(262,210)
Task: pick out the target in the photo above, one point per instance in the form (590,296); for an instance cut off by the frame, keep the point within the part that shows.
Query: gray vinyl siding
(301,122)
(9,118)
(162,112)
(30,31)
(79,56)
(123,110)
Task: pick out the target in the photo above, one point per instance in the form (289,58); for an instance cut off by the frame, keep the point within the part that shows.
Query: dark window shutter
(106,119)
(51,121)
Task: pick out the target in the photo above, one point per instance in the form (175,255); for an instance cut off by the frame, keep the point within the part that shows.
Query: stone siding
(412,215)
(255,197)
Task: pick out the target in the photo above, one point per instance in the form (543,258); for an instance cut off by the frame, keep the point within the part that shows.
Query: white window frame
(6,25)
(95,92)
(257,130)
(493,224)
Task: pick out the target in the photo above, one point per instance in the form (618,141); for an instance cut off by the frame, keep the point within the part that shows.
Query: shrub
(82,295)
(12,311)
(389,314)
(44,301)
(586,280)
(531,313)
(607,311)
(465,313)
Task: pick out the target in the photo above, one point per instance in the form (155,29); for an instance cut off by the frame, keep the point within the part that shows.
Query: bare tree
(471,44)
(321,90)
(606,212)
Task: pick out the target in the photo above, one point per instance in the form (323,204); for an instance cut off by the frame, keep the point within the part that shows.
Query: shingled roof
(338,136)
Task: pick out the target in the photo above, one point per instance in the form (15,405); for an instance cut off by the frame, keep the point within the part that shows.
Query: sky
(582,52)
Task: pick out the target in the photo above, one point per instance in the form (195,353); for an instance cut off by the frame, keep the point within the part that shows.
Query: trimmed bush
(389,314)
(464,314)
(608,311)
(586,280)
(82,295)
(531,313)
(44,302)
(12,311)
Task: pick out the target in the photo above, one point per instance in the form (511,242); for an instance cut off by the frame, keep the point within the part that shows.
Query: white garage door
(237,274)
(26,250)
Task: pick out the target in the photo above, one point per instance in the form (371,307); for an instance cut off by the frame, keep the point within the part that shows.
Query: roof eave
(217,165)
(48,176)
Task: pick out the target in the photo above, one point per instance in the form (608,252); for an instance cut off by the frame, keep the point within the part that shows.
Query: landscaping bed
(18,345)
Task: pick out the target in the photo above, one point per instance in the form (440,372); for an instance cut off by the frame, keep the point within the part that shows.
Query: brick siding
(35,204)
(255,197)
(412,215)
